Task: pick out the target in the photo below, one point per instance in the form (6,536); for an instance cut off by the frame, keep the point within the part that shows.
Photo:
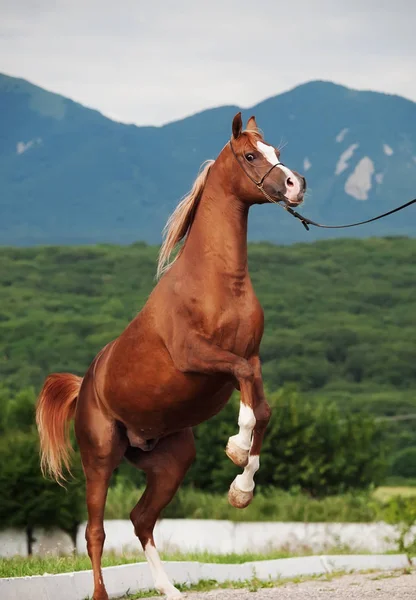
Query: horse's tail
(54,410)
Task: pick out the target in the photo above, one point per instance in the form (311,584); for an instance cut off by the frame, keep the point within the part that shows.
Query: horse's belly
(202,406)
(155,405)
(144,430)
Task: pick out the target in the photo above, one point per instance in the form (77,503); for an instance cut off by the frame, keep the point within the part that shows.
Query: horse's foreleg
(238,446)
(165,467)
(241,490)
(200,356)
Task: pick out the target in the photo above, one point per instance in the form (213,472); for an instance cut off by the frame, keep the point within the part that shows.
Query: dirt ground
(373,586)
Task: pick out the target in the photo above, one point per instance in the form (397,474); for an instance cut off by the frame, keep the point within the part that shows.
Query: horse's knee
(243,371)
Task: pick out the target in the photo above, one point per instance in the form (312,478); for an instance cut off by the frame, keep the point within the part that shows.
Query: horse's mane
(181,220)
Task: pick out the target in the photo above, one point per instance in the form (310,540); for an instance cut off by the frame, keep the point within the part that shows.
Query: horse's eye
(250,157)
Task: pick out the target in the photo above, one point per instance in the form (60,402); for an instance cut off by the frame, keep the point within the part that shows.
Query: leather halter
(304,220)
(259,184)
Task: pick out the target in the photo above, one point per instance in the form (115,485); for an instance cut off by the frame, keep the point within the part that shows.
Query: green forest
(339,316)
(338,355)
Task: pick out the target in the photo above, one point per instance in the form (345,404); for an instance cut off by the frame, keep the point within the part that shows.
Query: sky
(154,61)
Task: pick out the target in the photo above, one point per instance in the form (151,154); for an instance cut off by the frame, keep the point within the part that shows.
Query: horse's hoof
(174,594)
(169,591)
(236,454)
(238,498)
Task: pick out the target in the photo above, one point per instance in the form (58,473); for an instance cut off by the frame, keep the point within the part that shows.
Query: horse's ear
(237,125)
(252,125)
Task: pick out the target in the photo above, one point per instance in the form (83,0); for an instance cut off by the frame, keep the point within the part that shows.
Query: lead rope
(305,220)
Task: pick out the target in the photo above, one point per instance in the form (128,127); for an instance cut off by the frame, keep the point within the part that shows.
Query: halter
(304,220)
(259,184)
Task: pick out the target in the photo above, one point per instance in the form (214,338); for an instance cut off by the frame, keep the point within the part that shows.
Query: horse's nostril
(289,182)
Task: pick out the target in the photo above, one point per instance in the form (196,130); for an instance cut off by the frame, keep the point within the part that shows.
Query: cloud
(153,62)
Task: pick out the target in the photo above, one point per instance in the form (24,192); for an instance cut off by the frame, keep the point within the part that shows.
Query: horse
(195,341)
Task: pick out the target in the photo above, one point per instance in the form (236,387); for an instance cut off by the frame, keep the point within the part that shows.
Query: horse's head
(256,168)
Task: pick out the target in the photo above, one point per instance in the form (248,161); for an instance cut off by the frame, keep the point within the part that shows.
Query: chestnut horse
(177,363)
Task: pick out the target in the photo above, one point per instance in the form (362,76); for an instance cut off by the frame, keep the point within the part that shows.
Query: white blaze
(161,580)
(270,155)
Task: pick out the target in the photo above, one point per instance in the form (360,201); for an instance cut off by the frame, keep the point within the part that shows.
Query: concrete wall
(13,542)
(219,537)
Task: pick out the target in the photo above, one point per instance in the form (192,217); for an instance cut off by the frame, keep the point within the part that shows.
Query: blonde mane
(181,220)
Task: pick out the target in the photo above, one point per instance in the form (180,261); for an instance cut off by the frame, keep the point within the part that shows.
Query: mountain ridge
(70,175)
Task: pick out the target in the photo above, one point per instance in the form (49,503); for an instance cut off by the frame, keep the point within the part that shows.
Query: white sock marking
(245,481)
(160,578)
(246,422)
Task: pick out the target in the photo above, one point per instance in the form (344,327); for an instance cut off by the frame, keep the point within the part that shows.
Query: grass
(273,505)
(386,492)
(38,565)
(20,567)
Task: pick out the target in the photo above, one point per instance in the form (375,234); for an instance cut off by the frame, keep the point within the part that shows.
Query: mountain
(70,175)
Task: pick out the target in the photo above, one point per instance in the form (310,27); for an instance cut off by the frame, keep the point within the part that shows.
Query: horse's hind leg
(102,447)
(165,467)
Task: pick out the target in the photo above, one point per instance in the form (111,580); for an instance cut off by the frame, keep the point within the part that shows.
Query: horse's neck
(217,241)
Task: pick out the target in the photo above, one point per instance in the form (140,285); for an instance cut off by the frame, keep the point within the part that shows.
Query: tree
(308,445)
(315,447)
(28,499)
(404,464)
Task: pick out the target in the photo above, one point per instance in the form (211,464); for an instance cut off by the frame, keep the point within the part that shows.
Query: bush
(27,499)
(309,445)
(401,511)
(404,464)
(317,448)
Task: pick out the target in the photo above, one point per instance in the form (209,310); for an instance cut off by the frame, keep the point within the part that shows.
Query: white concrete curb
(136,577)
